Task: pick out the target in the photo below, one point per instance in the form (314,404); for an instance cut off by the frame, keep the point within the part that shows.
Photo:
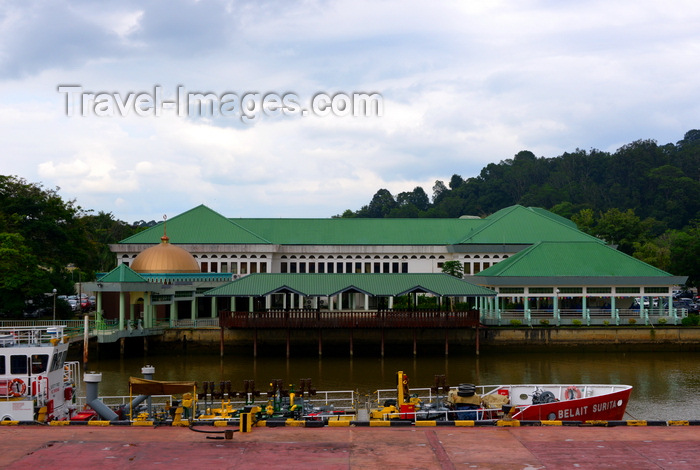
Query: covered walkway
(345,291)
(350,301)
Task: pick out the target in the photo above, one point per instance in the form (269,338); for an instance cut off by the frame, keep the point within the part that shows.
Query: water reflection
(666,385)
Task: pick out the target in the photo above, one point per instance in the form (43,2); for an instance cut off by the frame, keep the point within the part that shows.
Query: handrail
(303,318)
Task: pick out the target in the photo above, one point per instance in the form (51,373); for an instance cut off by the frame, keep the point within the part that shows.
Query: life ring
(572,393)
(17,387)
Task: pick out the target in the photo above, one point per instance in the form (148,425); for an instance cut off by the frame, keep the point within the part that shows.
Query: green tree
(417,198)
(20,275)
(585,220)
(439,189)
(456,182)
(47,223)
(623,229)
(381,204)
(453,268)
(685,253)
(101,230)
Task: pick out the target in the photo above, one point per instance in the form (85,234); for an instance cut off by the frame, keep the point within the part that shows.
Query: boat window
(2,365)
(39,363)
(18,364)
(58,360)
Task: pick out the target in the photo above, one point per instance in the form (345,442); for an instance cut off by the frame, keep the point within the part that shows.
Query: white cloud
(464,84)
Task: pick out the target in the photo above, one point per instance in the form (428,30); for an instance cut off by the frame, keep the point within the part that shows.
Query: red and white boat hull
(609,407)
(583,402)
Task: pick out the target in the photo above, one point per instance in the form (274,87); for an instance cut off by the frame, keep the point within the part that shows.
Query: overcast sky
(463,84)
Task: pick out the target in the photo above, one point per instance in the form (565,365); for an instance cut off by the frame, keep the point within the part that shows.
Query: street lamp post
(54,306)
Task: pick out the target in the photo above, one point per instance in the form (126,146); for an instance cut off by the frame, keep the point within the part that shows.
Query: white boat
(36,382)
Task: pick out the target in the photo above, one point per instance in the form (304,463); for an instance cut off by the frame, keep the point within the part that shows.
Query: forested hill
(644,198)
(655,181)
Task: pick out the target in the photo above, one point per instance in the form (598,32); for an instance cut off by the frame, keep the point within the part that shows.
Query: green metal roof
(575,259)
(198,225)
(122,273)
(518,224)
(260,284)
(513,225)
(359,231)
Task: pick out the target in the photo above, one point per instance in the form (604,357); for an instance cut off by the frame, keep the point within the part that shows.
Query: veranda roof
(574,263)
(315,285)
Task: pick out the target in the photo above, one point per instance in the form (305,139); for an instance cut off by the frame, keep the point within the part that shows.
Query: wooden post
(477,340)
(287,343)
(255,342)
(86,341)
(382,342)
(221,343)
(415,350)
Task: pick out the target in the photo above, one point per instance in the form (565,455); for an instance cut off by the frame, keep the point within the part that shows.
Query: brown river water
(666,384)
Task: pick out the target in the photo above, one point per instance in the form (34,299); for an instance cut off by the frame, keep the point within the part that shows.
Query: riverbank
(401,342)
(445,448)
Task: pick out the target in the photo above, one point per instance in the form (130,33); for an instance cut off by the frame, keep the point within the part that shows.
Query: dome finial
(164,238)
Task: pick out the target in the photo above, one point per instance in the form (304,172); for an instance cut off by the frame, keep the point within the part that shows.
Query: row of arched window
(473,264)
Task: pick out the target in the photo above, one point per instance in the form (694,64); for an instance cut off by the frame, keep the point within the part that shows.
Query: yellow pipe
(399,388)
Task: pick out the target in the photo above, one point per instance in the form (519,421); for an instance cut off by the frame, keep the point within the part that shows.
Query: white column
(99,302)
(526,308)
(122,310)
(671,312)
(146,310)
(173,313)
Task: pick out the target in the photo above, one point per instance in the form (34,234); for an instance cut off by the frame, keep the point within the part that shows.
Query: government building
(521,266)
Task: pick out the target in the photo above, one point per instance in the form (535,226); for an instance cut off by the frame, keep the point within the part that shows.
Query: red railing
(349,319)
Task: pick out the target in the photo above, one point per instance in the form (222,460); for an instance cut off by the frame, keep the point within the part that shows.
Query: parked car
(686,294)
(686,304)
(36,312)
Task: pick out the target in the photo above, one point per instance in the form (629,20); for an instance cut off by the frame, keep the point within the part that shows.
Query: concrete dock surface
(550,447)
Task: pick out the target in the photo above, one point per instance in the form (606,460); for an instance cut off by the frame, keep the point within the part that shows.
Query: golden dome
(165,258)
